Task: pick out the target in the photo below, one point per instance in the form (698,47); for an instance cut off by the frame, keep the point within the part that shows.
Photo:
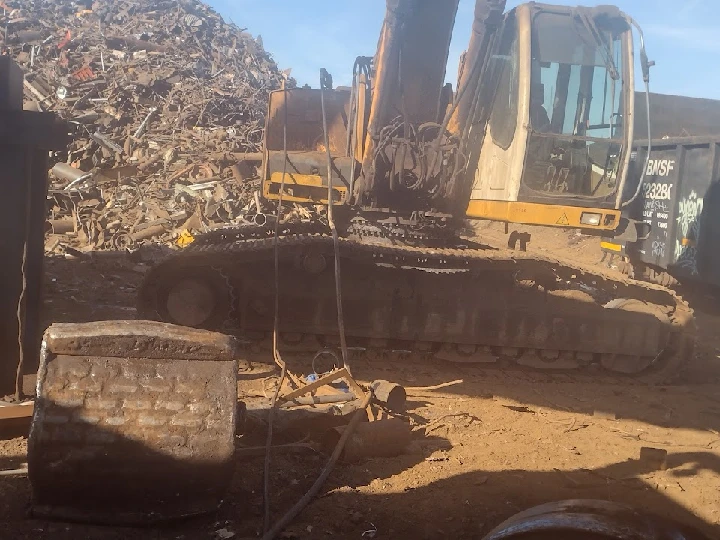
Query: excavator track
(465,303)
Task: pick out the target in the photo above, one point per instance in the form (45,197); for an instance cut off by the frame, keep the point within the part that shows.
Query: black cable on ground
(315,488)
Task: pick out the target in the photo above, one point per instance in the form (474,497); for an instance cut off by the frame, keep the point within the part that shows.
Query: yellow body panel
(611,247)
(541,214)
(313,190)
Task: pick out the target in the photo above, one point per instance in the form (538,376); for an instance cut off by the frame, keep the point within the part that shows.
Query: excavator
(358,238)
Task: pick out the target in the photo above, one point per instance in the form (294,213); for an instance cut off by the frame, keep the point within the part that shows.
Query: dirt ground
(483,449)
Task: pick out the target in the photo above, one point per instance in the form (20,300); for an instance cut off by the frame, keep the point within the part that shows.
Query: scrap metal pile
(164,99)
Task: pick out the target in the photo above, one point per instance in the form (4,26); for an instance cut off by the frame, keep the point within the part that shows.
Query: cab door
(500,159)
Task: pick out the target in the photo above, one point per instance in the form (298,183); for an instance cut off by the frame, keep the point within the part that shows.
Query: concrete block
(153,457)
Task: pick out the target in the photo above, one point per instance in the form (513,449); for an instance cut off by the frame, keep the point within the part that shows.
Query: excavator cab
(557,95)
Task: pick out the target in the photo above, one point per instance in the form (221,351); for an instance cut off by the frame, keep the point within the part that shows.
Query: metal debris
(389,394)
(160,95)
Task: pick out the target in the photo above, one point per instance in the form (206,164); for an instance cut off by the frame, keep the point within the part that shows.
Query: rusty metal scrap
(389,394)
(160,95)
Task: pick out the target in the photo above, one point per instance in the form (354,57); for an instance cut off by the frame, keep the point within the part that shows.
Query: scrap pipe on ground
(71,174)
(67,172)
(299,421)
(14,472)
(60,226)
(389,394)
(319,400)
(124,240)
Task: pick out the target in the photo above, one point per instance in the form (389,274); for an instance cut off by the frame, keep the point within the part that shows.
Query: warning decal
(563,220)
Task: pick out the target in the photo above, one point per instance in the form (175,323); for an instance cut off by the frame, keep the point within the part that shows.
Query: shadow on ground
(358,498)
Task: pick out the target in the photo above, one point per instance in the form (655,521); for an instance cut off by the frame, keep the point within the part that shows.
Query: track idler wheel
(197,301)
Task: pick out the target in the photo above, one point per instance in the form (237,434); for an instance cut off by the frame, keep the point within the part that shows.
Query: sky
(682,36)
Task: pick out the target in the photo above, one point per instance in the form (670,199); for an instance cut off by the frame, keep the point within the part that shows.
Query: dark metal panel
(12,241)
(35,258)
(29,128)
(679,202)
(25,138)
(11,85)
(694,183)
(23,179)
(657,204)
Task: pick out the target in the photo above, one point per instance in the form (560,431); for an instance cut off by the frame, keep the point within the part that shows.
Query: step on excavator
(366,191)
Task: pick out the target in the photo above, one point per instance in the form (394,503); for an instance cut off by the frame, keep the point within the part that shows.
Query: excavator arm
(410,65)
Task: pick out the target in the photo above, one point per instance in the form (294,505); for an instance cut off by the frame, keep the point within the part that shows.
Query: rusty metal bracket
(322,381)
